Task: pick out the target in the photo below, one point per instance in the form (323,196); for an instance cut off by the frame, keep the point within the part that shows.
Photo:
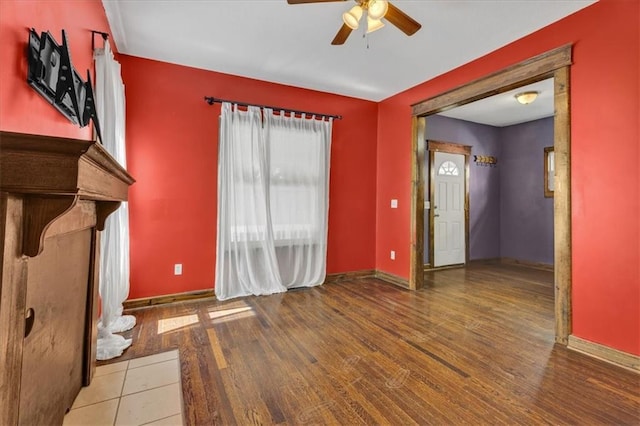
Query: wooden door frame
(554,64)
(450,148)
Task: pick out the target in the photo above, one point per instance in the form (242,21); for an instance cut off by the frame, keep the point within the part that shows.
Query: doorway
(448,209)
(447,212)
(553,64)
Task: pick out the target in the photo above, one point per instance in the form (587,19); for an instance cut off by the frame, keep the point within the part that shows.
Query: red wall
(605,156)
(172,154)
(172,138)
(22,109)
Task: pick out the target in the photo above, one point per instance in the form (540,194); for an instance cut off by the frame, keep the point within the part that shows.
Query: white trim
(114,17)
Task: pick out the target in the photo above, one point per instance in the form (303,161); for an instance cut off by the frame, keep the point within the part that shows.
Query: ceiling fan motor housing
(376,10)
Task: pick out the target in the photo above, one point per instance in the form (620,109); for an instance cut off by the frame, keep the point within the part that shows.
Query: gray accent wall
(509,216)
(484,182)
(526,216)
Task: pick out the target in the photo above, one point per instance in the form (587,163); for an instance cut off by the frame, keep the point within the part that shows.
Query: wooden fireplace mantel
(56,194)
(53,174)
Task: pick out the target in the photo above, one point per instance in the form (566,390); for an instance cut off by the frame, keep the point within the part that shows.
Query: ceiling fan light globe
(377,9)
(352,17)
(373,24)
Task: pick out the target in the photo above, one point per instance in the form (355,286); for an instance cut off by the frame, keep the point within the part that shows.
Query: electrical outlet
(177,269)
(393,255)
(394,204)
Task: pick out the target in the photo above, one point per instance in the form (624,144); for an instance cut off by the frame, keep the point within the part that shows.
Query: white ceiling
(504,110)
(290,44)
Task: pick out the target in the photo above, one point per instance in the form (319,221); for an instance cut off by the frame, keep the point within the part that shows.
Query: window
(549,171)
(448,168)
(297,183)
(278,182)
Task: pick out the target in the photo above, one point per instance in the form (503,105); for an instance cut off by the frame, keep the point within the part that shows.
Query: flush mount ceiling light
(375,11)
(527,97)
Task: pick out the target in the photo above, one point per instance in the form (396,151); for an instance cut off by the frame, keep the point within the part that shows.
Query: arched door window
(448,168)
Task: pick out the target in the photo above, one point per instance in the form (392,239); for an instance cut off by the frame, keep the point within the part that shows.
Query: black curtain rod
(104,35)
(211,100)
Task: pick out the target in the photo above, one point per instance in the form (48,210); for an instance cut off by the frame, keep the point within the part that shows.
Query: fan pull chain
(365,35)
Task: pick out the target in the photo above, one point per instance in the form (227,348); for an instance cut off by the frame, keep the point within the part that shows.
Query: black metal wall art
(52,75)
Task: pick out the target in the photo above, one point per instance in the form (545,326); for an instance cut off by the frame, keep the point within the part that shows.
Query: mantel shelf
(53,174)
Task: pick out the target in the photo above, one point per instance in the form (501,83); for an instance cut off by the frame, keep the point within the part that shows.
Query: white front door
(449,209)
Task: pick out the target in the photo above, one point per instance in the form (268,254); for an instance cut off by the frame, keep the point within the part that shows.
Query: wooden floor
(474,346)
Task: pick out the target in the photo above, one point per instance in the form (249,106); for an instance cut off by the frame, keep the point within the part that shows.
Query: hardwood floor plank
(218,354)
(474,346)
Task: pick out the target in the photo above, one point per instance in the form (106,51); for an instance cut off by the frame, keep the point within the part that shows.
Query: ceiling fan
(375,11)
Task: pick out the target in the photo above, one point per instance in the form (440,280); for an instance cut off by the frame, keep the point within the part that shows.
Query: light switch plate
(394,204)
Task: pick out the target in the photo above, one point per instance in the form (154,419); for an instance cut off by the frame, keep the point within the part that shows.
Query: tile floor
(141,391)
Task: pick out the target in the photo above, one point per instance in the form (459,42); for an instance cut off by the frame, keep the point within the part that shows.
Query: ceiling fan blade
(342,35)
(311,1)
(404,22)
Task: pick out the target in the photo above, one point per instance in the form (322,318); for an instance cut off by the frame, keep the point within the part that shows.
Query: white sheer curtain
(114,244)
(273,201)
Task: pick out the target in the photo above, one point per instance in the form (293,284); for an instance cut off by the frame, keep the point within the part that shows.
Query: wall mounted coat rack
(485,160)
(52,75)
